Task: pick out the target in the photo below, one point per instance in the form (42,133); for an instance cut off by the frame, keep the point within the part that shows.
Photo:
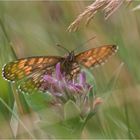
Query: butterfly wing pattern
(35,80)
(28,73)
(96,56)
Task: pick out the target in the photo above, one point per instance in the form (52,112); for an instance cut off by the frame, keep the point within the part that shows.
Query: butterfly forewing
(21,68)
(96,56)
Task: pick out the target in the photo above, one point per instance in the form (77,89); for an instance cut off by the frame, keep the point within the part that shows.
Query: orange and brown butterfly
(28,72)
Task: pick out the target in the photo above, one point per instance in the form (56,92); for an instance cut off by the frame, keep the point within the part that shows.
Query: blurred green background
(35,28)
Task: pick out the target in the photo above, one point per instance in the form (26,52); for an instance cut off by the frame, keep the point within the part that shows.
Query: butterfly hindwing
(75,69)
(35,81)
(96,56)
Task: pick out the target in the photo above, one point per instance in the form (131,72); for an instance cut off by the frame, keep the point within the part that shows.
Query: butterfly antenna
(58,45)
(81,45)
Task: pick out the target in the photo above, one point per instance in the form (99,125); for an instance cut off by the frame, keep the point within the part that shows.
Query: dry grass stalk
(112,6)
(108,6)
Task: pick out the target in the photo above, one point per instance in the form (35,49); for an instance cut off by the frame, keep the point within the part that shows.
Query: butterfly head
(71,56)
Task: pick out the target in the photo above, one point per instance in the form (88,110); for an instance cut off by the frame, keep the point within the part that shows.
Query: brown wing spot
(88,63)
(12,76)
(94,56)
(106,53)
(95,51)
(89,52)
(20,66)
(40,60)
(103,51)
(100,61)
(22,63)
(104,48)
(90,58)
(93,61)
(31,62)
(50,60)
(40,66)
(28,70)
(26,67)
(35,76)
(14,66)
(46,60)
(20,75)
(75,71)
(13,69)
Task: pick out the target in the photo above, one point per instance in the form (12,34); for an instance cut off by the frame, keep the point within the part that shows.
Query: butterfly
(28,72)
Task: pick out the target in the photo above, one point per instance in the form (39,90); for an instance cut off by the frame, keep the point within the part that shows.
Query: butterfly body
(29,72)
(69,64)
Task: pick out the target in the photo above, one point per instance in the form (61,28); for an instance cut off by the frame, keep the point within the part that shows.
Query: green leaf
(71,110)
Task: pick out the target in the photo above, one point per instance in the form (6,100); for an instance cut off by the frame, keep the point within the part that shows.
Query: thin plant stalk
(8,39)
(22,124)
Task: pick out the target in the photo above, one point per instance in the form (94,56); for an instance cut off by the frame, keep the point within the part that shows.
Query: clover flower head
(60,86)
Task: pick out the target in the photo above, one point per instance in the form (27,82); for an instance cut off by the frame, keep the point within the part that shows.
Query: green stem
(7,37)
(127,121)
(90,115)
